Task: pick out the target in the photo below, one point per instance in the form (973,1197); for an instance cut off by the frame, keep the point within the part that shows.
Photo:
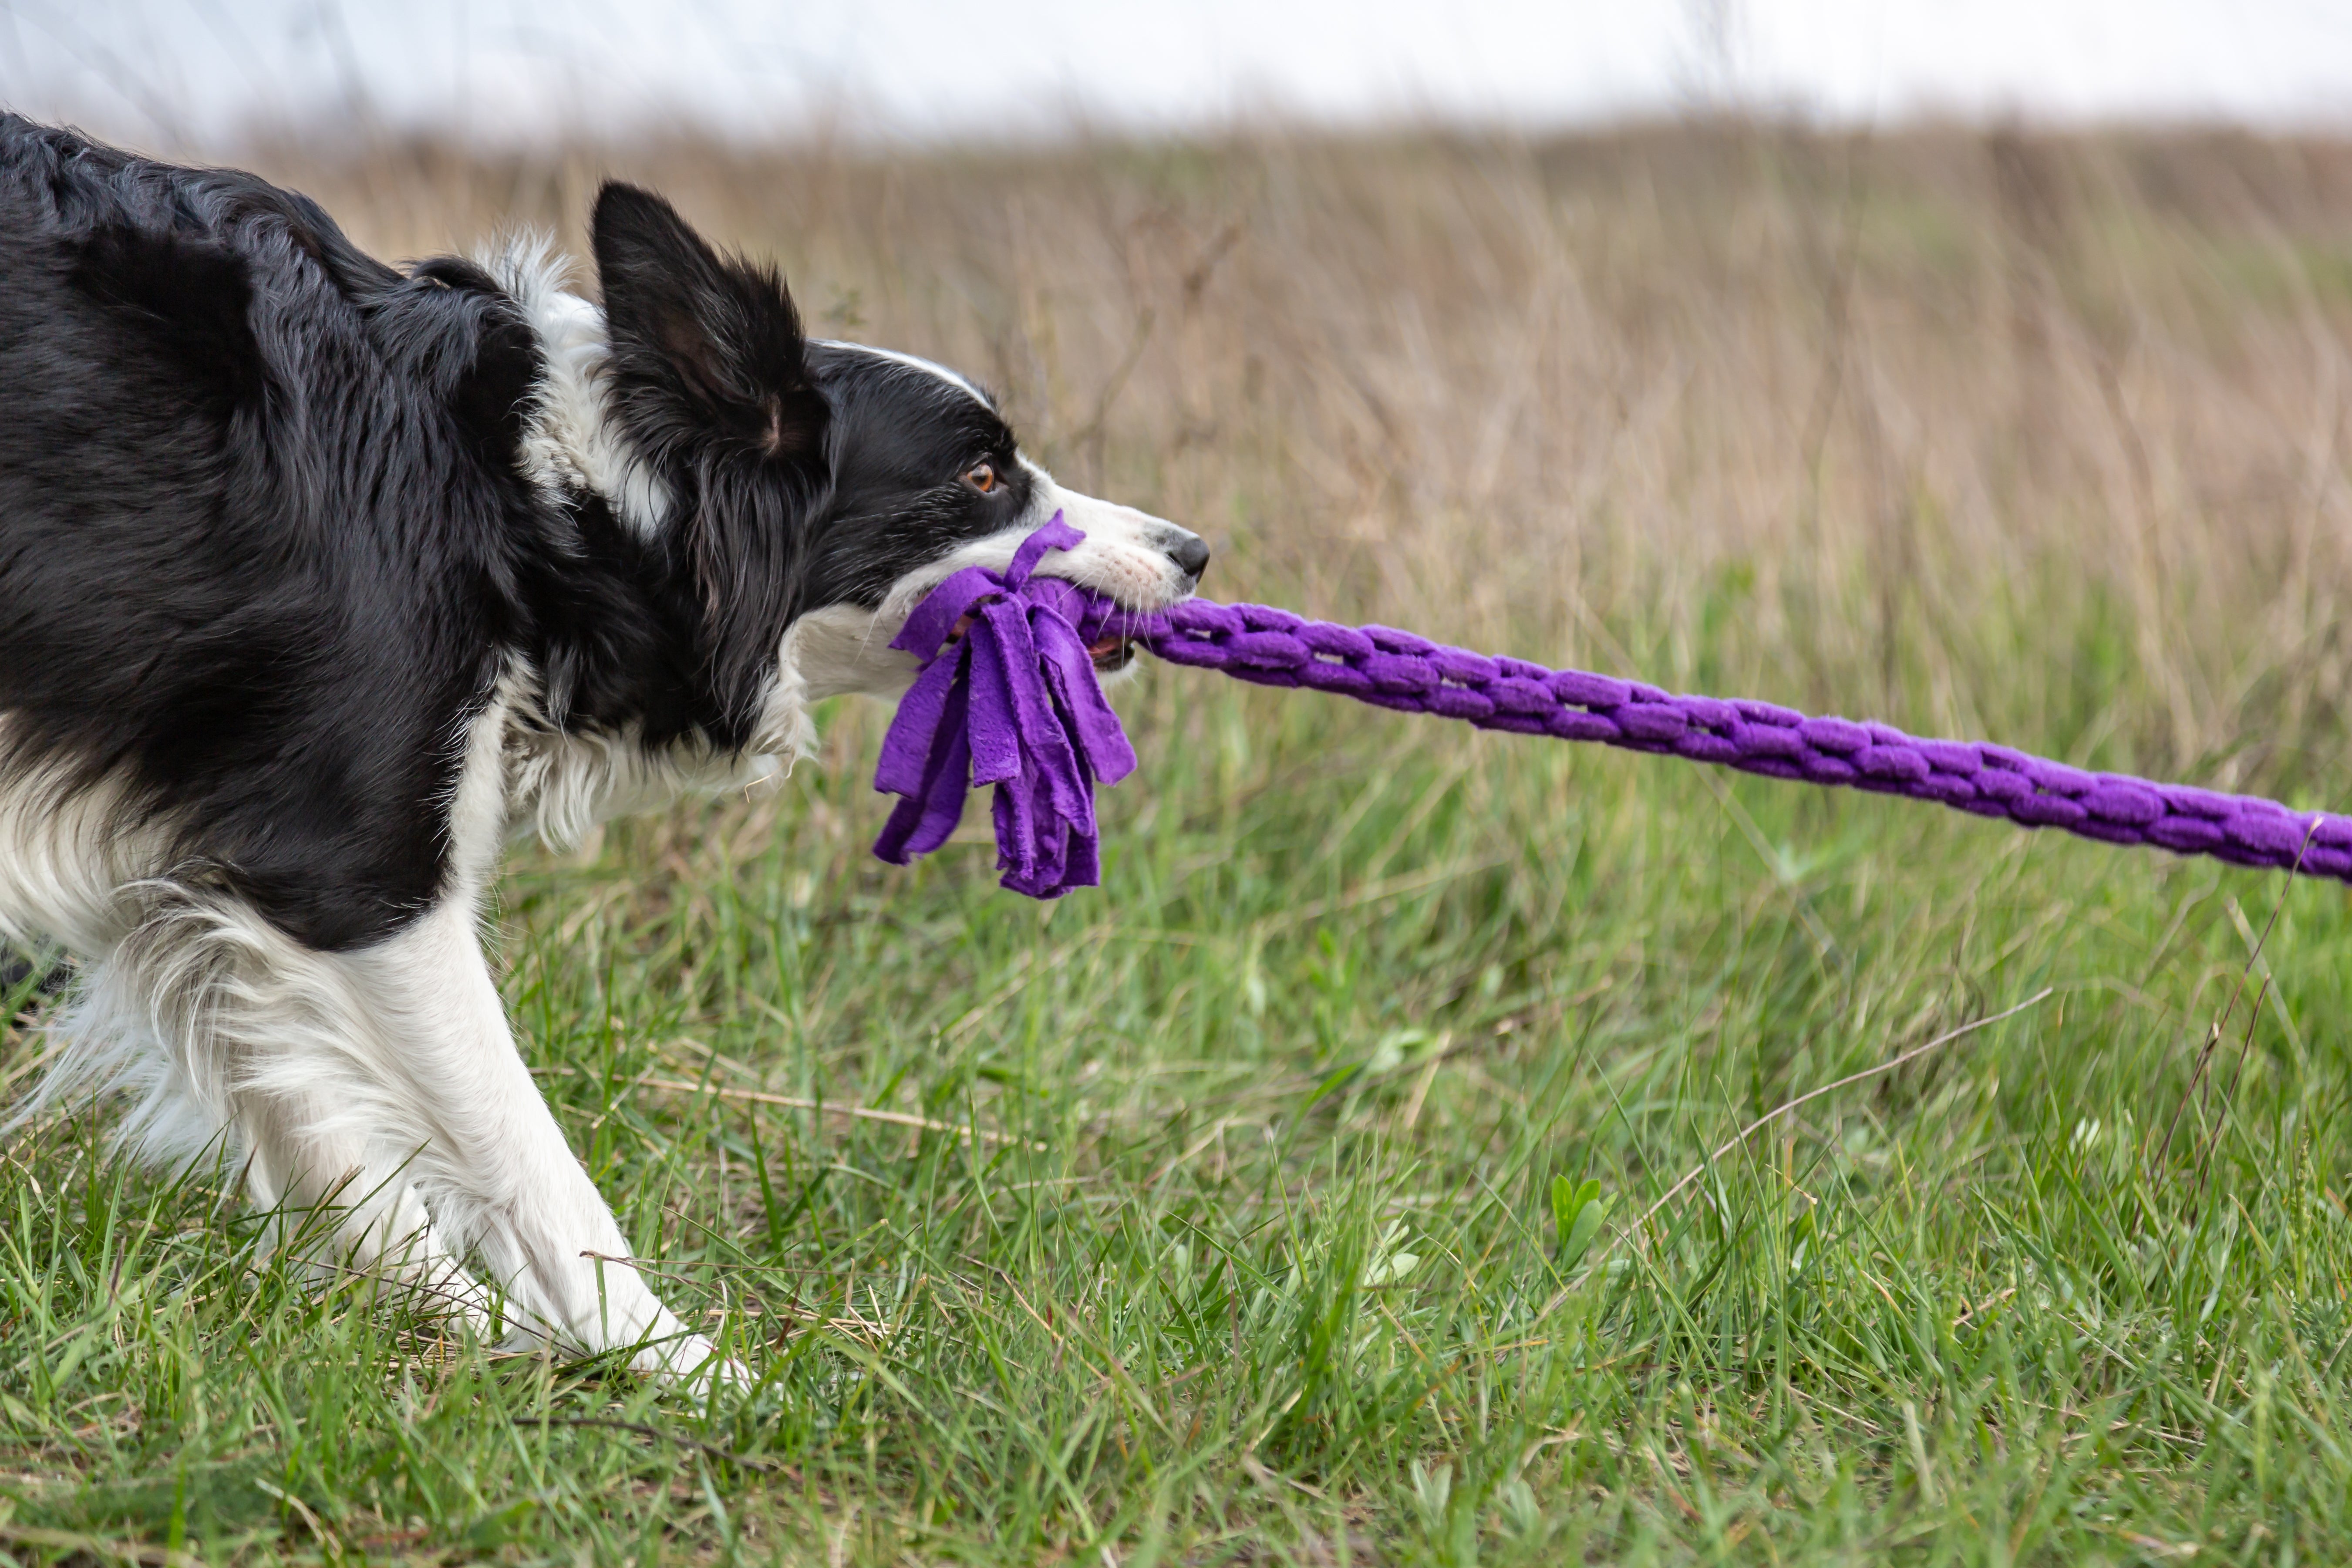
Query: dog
(320,579)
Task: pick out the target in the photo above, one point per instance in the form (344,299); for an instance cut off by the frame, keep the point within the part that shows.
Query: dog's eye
(981,477)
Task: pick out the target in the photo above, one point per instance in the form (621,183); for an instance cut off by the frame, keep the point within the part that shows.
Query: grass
(1296,1198)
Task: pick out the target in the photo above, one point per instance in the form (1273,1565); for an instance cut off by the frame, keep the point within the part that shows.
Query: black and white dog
(319,579)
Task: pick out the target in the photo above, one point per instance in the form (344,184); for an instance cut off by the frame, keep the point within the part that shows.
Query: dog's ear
(711,379)
(703,347)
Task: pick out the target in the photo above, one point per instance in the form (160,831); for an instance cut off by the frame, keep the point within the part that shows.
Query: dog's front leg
(499,1173)
(303,1166)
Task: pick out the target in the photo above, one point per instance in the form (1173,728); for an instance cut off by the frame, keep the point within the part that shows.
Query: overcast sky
(192,72)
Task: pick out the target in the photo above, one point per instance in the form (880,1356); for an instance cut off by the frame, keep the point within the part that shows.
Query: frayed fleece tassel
(1012,703)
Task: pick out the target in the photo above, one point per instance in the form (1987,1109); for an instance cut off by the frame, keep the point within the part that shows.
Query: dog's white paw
(693,1365)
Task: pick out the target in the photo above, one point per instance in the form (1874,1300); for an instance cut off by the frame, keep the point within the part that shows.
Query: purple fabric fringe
(1012,703)
(1015,704)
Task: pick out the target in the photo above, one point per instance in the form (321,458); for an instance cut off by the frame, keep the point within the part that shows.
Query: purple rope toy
(1013,702)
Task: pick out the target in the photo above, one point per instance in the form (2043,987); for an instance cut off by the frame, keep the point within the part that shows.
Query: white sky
(166,72)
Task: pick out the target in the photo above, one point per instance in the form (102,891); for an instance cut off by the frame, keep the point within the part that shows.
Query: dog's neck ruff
(571,442)
(926,755)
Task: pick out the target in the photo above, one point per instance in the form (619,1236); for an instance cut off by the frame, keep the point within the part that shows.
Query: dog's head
(819,490)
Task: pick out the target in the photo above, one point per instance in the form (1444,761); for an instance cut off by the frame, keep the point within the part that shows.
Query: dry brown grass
(2034,437)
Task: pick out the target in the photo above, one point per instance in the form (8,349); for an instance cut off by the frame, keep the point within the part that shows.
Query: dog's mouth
(1110,652)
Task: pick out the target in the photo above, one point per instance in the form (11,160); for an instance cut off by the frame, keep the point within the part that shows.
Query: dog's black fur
(266,541)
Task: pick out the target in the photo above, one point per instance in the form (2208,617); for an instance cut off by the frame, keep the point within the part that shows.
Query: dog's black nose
(1189,551)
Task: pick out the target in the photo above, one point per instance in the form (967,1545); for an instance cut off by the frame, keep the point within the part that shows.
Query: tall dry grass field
(1256,1224)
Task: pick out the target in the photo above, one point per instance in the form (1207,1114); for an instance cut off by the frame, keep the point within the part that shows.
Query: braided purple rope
(1413,675)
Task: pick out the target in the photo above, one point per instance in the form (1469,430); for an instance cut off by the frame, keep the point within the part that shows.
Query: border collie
(319,579)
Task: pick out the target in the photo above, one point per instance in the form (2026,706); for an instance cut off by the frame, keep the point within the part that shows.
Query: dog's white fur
(381,1088)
